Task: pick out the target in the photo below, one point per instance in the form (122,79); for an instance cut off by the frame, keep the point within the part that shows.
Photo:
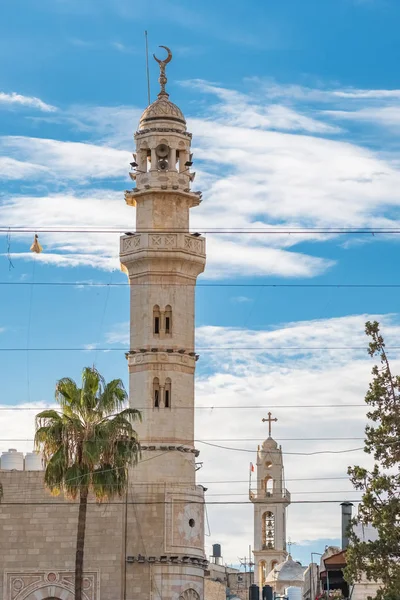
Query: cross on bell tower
(270,420)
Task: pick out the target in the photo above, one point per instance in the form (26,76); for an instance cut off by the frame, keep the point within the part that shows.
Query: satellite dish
(162,150)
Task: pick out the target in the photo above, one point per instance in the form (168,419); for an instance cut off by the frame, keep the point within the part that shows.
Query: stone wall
(38,539)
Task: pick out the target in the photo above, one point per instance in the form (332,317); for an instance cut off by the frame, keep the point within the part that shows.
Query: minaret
(270,501)
(162,260)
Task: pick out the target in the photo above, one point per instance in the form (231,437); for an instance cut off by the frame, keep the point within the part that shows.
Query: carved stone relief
(189,594)
(41,585)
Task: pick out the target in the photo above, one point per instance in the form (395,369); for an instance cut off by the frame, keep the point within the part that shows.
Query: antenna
(147,67)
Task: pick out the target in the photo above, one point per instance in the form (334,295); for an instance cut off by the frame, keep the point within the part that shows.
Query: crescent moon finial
(163,79)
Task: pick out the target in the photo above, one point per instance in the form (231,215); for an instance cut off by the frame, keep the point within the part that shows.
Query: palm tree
(87,446)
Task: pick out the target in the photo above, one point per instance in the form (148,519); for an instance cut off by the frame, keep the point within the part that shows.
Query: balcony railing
(256,494)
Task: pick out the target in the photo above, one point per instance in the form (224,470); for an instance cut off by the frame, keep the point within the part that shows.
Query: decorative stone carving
(131,242)
(189,594)
(155,240)
(41,585)
(170,240)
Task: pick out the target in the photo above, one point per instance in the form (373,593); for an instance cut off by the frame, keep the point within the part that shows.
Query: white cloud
(13,169)
(246,111)
(68,160)
(14,99)
(387,116)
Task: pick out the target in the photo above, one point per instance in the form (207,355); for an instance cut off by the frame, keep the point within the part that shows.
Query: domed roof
(162,110)
(287,571)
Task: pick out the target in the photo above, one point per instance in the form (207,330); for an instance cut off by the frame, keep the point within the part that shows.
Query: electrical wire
(288,453)
(294,453)
(170,503)
(214,407)
(211,230)
(278,439)
(79,284)
(201,349)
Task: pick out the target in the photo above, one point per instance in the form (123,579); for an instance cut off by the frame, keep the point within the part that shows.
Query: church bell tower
(270,499)
(165,537)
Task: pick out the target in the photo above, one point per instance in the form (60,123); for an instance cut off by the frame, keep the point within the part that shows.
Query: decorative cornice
(170,448)
(170,351)
(171,559)
(162,130)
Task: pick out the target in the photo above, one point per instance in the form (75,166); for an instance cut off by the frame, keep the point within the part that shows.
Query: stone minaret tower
(165,538)
(270,501)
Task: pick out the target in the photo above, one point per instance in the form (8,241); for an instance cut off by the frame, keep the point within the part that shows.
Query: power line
(198,348)
(278,439)
(211,230)
(171,503)
(212,407)
(287,453)
(80,284)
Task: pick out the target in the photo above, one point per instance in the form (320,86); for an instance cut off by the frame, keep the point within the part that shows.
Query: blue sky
(295,113)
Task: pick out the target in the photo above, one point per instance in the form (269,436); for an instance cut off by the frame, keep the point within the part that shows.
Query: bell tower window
(268,530)
(156,392)
(167,392)
(156,320)
(269,485)
(168,320)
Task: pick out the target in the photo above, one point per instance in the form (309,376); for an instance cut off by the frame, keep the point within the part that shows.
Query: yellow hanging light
(36,247)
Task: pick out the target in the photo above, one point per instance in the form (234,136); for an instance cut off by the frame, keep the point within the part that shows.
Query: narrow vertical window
(167,393)
(156,392)
(168,319)
(156,319)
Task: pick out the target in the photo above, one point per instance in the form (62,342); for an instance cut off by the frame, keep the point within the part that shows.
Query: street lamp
(312,578)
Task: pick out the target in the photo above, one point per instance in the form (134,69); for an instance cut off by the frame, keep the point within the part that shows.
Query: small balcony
(257,495)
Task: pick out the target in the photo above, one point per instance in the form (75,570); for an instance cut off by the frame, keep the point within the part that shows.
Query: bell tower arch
(270,500)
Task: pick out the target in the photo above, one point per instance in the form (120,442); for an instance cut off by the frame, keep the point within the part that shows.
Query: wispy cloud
(68,160)
(15,99)
(124,48)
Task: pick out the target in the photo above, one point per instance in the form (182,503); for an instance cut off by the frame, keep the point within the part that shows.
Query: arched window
(156,392)
(273,564)
(268,485)
(168,320)
(268,530)
(262,569)
(167,393)
(156,319)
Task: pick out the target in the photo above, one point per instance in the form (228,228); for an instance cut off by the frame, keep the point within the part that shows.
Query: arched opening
(262,570)
(273,564)
(268,530)
(167,393)
(156,392)
(168,320)
(268,464)
(268,485)
(156,319)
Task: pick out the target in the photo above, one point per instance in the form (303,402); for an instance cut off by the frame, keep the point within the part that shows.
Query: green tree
(87,446)
(380,506)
